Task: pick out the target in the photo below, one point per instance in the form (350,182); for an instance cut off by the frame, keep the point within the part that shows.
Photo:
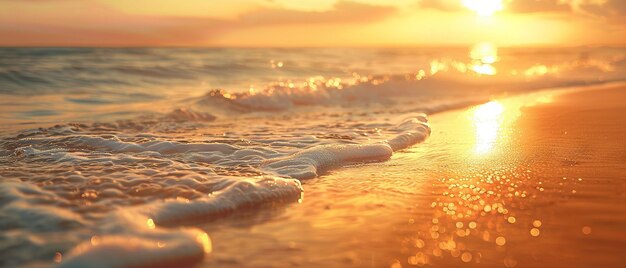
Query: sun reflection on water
(483,56)
(487,120)
(479,208)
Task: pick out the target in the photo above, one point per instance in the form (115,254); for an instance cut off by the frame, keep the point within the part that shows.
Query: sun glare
(487,120)
(484,8)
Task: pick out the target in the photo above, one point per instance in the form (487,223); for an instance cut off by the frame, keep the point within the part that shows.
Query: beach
(528,181)
(372,157)
(335,133)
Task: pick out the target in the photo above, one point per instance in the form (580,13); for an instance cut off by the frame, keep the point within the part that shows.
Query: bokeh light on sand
(480,209)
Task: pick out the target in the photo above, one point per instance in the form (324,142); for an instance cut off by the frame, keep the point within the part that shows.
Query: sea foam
(125,193)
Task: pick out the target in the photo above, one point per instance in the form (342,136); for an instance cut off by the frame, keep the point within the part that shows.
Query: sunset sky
(293,23)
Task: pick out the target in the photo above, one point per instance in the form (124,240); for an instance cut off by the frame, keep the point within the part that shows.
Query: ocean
(44,86)
(125,151)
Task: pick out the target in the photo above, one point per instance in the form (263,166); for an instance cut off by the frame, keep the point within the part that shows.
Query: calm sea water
(125,151)
(49,85)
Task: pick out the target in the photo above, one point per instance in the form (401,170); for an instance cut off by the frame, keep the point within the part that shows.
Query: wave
(139,186)
(309,163)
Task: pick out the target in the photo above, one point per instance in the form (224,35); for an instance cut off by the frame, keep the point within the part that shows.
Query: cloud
(99,24)
(612,10)
(342,12)
(444,5)
(516,6)
(532,6)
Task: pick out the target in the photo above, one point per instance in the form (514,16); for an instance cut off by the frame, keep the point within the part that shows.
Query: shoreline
(398,212)
(468,187)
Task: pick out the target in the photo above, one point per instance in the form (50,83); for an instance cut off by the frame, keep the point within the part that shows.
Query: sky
(311,23)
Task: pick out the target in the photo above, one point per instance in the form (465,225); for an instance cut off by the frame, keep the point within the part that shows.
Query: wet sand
(531,181)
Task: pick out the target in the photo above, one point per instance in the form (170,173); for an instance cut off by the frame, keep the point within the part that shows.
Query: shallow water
(125,152)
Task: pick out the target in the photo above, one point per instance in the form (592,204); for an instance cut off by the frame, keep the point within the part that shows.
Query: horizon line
(319,47)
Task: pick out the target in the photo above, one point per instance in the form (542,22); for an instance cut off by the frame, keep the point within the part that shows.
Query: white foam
(412,130)
(19,210)
(311,162)
(133,240)
(114,144)
(239,194)
(178,249)
(135,237)
(39,218)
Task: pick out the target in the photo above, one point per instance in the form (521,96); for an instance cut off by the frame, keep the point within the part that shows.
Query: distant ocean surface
(46,85)
(100,148)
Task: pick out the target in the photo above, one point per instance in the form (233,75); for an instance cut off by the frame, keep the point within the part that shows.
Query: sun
(484,8)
